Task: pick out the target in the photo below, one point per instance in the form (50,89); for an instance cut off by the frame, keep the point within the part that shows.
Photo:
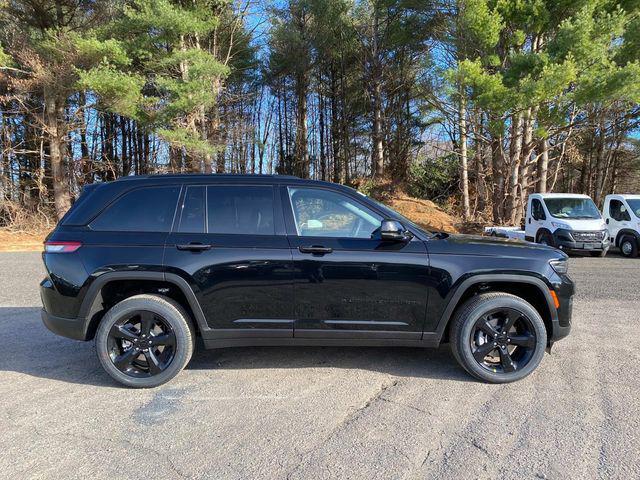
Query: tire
(118,342)
(464,340)
(629,246)
(601,253)
(545,238)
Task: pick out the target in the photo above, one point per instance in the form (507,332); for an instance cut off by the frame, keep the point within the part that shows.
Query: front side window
(538,210)
(322,213)
(148,209)
(246,210)
(574,208)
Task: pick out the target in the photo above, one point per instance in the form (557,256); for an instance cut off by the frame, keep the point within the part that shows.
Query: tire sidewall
(464,346)
(632,242)
(171,313)
(548,237)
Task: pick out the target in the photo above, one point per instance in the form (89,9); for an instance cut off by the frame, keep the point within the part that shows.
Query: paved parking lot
(326,412)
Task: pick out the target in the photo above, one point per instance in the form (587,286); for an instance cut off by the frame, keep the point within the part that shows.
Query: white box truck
(567,221)
(622,216)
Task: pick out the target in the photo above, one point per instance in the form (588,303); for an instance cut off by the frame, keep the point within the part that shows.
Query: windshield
(575,208)
(634,205)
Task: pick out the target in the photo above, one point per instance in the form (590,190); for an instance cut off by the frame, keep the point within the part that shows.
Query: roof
(625,195)
(202,176)
(561,195)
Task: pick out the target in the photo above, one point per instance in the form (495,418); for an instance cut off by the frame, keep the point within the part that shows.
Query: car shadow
(31,349)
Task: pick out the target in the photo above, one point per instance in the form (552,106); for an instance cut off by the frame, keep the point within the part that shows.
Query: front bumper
(561,321)
(565,240)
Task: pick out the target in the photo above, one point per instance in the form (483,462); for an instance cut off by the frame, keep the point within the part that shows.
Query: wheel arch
(540,232)
(531,289)
(109,288)
(627,232)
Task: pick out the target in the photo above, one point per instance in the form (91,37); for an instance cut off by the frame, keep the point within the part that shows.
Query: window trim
(292,228)
(276,207)
(127,192)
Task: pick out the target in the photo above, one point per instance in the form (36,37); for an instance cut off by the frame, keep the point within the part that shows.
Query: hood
(591,224)
(495,246)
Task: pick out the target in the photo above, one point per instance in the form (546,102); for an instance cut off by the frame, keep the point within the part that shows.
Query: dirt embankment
(21,241)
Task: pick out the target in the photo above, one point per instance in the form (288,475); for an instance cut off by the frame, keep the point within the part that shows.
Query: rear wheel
(629,246)
(498,337)
(144,341)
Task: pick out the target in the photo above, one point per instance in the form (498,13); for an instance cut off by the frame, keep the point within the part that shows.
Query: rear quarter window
(149,209)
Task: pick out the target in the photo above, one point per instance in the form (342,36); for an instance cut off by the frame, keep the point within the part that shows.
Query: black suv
(147,264)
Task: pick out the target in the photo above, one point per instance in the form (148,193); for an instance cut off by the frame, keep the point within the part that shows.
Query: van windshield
(575,208)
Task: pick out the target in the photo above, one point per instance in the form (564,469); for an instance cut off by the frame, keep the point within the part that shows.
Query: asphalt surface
(326,412)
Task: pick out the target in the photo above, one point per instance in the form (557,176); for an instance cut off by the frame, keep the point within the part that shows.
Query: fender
(629,232)
(496,277)
(92,299)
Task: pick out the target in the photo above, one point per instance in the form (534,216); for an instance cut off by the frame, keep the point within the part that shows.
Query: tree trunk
(515,151)
(462,119)
(543,165)
(54,109)
(302,154)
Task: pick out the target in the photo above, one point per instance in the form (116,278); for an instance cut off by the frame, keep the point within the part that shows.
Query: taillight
(61,247)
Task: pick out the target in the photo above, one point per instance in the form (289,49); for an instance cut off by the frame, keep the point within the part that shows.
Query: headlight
(561,225)
(560,266)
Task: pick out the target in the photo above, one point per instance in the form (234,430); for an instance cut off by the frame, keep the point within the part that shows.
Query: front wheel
(144,341)
(545,238)
(498,337)
(629,246)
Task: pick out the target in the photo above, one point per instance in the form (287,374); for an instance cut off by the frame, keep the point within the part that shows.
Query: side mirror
(394,231)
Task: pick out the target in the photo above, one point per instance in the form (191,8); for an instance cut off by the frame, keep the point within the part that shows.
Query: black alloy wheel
(503,340)
(142,344)
(498,337)
(145,340)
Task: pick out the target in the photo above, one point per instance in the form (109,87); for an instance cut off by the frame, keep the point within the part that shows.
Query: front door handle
(316,250)
(194,247)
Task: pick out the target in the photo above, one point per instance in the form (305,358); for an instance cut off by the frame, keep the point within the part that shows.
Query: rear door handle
(316,250)
(194,247)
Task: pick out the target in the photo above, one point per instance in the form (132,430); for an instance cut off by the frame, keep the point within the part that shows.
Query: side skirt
(375,339)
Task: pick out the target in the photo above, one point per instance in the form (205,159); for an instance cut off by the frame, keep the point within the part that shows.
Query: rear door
(348,282)
(229,243)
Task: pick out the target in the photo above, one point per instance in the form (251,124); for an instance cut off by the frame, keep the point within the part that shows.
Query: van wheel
(545,238)
(629,246)
(145,341)
(498,337)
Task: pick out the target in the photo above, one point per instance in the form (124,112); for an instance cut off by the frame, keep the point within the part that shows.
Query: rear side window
(193,211)
(244,210)
(148,209)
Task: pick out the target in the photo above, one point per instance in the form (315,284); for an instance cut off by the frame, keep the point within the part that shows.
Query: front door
(618,218)
(230,243)
(348,282)
(535,219)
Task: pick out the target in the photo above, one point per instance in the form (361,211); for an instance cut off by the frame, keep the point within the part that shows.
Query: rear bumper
(66,327)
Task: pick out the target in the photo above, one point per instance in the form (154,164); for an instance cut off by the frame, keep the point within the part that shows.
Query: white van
(622,214)
(567,221)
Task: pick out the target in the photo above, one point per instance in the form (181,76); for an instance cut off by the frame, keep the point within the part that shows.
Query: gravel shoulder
(326,412)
